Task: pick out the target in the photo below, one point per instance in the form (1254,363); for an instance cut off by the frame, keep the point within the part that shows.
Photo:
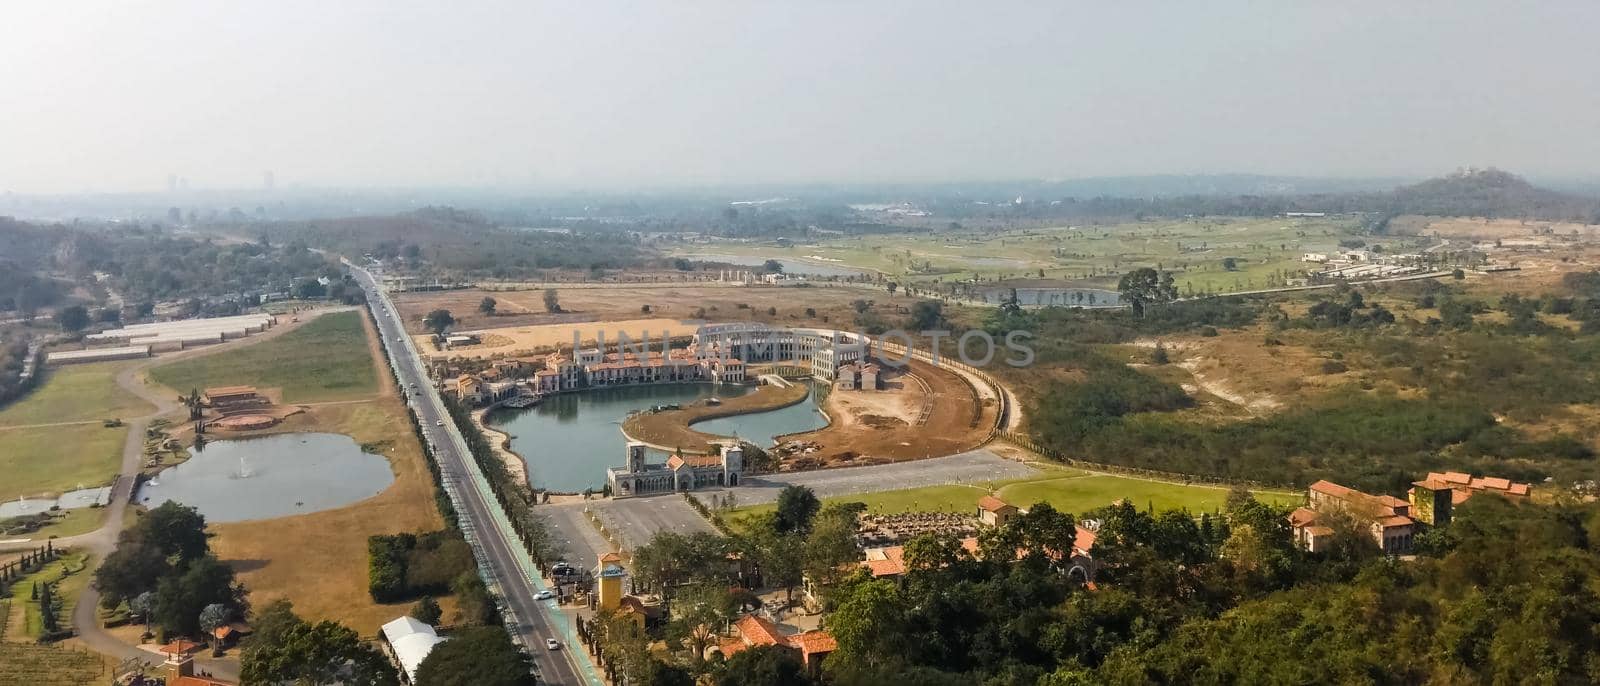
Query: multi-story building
(1433,500)
(1386,518)
(678,473)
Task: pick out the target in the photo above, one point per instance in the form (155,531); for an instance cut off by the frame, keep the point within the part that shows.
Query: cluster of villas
(1391,522)
(718,353)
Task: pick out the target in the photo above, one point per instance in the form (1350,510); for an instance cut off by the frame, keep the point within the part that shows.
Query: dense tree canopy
(479,656)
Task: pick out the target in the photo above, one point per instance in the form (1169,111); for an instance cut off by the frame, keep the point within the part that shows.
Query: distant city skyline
(366,94)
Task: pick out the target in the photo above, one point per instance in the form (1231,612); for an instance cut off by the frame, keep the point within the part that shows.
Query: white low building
(410,640)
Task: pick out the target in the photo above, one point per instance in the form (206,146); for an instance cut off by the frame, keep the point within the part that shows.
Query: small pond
(271,476)
(569,439)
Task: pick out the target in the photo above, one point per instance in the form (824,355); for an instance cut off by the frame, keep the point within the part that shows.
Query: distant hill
(1491,193)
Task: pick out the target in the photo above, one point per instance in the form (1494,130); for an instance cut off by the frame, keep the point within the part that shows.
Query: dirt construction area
(537,338)
(922,411)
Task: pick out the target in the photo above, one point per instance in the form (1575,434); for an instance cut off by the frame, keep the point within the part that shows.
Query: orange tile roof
(970,544)
(675,462)
(1432,484)
(180,646)
(222,632)
(814,642)
(1302,516)
(993,504)
(1084,542)
(1493,482)
(757,631)
(1330,488)
(731,646)
(1453,477)
(1397,520)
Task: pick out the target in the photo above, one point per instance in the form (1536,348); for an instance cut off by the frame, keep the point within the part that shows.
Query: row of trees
(405,566)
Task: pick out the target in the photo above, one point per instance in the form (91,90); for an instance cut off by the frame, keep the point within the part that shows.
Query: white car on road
(543,595)
(552,644)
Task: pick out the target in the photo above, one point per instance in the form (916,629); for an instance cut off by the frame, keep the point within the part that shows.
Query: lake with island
(232,480)
(569,439)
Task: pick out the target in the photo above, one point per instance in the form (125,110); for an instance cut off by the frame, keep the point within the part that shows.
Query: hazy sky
(116,95)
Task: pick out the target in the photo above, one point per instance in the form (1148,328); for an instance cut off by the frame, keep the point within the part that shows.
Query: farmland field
(1088,255)
(326,359)
(85,392)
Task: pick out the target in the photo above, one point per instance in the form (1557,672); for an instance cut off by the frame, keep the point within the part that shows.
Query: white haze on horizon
(115,96)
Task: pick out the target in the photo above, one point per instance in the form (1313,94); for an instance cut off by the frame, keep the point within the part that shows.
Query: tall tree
(479,656)
(797,505)
(72,318)
(552,301)
(437,321)
(181,597)
(1144,286)
(487,305)
(286,649)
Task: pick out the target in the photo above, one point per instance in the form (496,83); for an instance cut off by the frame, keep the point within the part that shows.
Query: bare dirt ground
(898,403)
(831,305)
(1491,229)
(528,340)
(958,420)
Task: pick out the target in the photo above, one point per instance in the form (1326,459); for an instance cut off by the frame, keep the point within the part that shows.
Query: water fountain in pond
(245,471)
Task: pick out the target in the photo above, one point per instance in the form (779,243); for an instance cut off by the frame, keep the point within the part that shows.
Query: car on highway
(552,644)
(543,595)
(439,423)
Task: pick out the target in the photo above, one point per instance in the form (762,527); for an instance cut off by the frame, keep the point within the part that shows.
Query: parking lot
(631,521)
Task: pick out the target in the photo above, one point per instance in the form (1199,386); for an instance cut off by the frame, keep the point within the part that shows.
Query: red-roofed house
(1460,487)
(1388,518)
(994,511)
(752,631)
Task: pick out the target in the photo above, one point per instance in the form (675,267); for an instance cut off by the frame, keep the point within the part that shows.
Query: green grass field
(56,459)
(1081,494)
(326,359)
(1065,489)
(76,393)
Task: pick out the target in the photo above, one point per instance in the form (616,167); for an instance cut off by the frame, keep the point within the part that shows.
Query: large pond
(790,266)
(568,440)
(1064,297)
(270,476)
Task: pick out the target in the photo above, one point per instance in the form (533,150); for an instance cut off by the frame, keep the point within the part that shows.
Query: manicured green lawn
(1081,494)
(56,459)
(326,359)
(68,586)
(73,393)
(1065,489)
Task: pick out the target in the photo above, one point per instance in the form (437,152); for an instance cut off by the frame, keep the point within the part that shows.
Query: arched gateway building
(678,473)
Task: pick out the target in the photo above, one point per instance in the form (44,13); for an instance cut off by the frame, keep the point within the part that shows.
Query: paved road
(971,467)
(505,562)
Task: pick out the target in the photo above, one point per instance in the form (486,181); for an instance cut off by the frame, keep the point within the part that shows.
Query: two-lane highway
(505,564)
